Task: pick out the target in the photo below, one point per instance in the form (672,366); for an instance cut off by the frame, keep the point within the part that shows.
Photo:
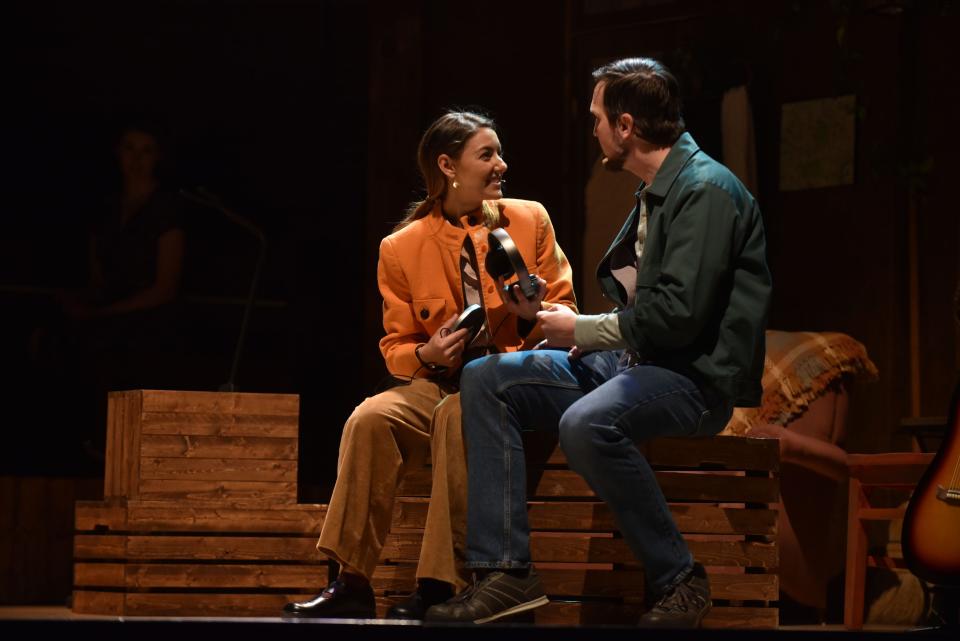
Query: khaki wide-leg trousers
(385,436)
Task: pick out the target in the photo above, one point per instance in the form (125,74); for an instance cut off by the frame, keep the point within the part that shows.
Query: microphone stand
(203,197)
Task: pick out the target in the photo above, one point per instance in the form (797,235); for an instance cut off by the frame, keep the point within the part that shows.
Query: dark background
(304,116)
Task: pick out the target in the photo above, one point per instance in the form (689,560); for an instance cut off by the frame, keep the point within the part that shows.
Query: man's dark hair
(645,89)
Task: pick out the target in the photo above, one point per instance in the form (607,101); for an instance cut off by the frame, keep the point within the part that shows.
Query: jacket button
(424,314)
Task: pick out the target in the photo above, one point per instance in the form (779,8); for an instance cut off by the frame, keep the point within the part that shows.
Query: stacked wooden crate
(200,515)
(722,492)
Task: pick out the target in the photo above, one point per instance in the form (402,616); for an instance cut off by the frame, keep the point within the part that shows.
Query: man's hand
(444,347)
(557,324)
(525,308)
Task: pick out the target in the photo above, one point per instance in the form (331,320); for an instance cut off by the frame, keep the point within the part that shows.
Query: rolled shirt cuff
(598,331)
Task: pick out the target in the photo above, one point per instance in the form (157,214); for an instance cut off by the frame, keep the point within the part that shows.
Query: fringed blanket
(799,368)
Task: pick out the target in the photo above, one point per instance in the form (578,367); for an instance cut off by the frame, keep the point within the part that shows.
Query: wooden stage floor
(44,622)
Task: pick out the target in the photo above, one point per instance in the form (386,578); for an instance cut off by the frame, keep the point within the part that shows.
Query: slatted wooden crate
(165,445)
(721,492)
(201,513)
(167,558)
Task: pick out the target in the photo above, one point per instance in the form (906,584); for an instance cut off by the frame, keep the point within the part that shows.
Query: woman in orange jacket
(430,270)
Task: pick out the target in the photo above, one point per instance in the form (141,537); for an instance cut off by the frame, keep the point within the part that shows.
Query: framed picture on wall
(817,143)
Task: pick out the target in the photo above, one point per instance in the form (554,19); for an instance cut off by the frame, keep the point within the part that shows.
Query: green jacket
(703,286)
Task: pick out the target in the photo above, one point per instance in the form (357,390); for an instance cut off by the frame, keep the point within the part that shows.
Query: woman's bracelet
(433,367)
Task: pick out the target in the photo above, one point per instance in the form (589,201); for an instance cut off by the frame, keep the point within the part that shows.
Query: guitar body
(931,527)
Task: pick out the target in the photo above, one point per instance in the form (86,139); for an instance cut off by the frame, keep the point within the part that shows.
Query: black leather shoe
(411,607)
(338,601)
(415,605)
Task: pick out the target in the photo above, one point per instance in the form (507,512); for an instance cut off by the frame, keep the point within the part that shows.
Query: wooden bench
(201,518)
(722,492)
(200,515)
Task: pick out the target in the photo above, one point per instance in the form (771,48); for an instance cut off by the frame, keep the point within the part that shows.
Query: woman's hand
(445,347)
(525,308)
(557,324)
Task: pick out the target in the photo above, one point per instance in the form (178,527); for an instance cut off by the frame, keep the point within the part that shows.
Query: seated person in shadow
(137,248)
(105,335)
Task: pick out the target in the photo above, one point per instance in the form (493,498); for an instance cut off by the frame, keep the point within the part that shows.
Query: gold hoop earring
(455,185)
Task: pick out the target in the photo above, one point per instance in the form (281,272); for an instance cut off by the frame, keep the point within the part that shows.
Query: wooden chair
(901,470)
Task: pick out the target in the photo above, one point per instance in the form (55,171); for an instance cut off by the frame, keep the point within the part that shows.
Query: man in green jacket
(689,277)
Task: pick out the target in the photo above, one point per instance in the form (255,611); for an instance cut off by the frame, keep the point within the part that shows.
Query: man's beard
(615,163)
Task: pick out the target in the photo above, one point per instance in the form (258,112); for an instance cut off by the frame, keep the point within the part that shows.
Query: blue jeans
(601,408)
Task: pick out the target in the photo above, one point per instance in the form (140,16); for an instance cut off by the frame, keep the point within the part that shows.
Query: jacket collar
(680,153)
(452,235)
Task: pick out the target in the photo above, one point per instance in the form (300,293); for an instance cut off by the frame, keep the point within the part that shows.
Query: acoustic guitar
(931,526)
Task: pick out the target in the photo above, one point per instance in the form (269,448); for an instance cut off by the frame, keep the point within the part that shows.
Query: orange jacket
(419,276)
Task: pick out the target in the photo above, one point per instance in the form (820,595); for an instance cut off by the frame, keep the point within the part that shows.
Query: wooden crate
(161,558)
(201,513)
(166,445)
(721,491)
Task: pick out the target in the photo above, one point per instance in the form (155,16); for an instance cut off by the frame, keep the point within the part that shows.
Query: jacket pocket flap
(430,312)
